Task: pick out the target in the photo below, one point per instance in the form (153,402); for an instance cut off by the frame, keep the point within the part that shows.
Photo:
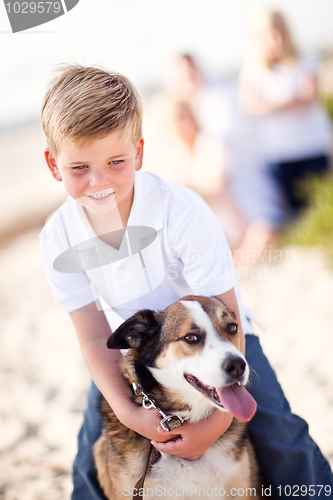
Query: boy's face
(100,174)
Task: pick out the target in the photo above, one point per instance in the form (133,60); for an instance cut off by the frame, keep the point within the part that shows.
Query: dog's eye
(191,339)
(232,328)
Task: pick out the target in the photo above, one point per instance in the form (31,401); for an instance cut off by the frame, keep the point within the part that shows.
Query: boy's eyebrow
(73,162)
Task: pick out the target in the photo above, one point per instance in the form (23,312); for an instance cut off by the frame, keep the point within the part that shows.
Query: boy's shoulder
(150,186)
(162,204)
(57,221)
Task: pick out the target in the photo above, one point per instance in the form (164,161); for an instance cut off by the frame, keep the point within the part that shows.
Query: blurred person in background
(289,133)
(187,124)
(278,88)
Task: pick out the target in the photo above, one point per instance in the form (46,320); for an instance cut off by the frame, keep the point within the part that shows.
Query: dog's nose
(234,366)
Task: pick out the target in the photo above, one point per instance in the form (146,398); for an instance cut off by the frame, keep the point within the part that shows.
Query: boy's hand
(147,423)
(191,440)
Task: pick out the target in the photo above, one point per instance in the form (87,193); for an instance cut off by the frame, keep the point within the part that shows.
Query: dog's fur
(195,336)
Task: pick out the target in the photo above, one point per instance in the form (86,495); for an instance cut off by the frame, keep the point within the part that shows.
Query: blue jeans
(287,455)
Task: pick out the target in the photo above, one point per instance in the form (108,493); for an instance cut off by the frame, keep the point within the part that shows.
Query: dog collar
(168,422)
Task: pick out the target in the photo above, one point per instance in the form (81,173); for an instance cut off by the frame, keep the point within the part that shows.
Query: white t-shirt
(289,135)
(173,246)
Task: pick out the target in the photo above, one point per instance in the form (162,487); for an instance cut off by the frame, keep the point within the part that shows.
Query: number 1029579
(302,491)
(33,7)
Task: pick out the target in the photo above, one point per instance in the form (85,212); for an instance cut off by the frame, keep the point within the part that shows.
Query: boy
(132,241)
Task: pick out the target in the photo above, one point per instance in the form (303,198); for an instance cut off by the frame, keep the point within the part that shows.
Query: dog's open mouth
(233,398)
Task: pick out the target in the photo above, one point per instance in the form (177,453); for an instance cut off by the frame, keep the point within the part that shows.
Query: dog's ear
(131,334)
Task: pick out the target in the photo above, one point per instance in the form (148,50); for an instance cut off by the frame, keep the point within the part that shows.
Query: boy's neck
(110,227)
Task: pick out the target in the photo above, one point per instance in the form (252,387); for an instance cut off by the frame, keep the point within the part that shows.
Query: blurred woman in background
(285,135)
(279,88)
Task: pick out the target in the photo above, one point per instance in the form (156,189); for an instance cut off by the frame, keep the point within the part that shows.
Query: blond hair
(89,103)
(272,19)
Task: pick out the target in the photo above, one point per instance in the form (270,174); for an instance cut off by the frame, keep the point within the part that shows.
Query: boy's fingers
(169,446)
(171,432)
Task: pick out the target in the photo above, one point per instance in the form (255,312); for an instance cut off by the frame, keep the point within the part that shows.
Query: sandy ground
(43,380)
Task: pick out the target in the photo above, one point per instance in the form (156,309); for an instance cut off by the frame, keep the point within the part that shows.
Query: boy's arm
(93,331)
(196,438)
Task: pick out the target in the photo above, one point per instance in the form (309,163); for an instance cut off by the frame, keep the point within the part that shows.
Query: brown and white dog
(187,359)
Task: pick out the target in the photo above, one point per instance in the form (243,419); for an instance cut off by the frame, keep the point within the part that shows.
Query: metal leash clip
(168,422)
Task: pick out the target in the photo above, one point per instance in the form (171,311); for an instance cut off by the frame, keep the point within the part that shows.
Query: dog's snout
(234,366)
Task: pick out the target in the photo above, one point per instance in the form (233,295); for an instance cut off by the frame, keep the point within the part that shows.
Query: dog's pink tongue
(238,401)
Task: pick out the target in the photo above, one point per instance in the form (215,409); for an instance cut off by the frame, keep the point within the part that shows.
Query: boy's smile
(99,174)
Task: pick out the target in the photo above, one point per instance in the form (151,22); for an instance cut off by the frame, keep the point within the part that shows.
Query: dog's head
(192,348)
